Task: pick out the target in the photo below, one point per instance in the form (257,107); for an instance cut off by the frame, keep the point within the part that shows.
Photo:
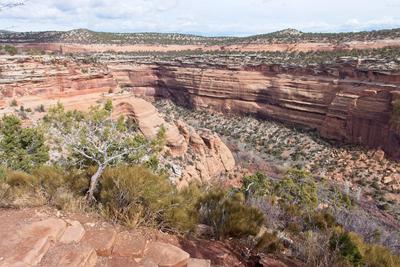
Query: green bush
(298,188)
(135,196)
(269,243)
(228,214)
(348,245)
(322,220)
(183,215)
(21,179)
(257,185)
(50,178)
(11,50)
(353,250)
(21,148)
(376,256)
(78,180)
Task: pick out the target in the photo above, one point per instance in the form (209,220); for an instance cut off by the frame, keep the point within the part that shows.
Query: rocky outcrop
(342,102)
(200,155)
(30,238)
(52,77)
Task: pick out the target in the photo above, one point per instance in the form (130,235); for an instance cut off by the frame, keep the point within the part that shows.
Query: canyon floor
(272,147)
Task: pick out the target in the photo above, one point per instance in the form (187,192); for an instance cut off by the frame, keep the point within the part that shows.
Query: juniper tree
(21,148)
(95,138)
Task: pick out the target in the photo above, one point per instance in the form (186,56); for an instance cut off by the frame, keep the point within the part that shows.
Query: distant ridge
(86,36)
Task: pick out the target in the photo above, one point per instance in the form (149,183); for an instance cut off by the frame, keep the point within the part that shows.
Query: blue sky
(207,17)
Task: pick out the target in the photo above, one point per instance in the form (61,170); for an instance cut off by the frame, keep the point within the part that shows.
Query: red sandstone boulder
(129,245)
(102,240)
(166,255)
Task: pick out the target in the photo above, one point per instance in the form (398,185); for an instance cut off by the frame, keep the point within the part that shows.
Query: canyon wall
(342,102)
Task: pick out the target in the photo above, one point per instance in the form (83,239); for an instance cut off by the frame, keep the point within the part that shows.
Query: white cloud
(210,17)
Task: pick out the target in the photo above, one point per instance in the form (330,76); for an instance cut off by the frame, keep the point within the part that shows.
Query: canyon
(261,119)
(343,101)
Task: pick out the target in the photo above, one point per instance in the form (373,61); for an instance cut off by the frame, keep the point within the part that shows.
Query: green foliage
(228,214)
(269,243)
(376,256)
(184,215)
(348,245)
(322,220)
(64,119)
(355,251)
(159,142)
(298,188)
(14,103)
(108,105)
(21,148)
(50,178)
(135,196)
(11,50)
(21,179)
(257,185)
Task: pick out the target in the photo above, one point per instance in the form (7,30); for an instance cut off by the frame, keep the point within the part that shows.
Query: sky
(205,17)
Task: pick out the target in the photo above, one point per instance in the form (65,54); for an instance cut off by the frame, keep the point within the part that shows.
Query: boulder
(102,240)
(379,155)
(73,233)
(166,255)
(129,245)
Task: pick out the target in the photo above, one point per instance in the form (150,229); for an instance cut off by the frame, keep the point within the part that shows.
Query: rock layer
(343,103)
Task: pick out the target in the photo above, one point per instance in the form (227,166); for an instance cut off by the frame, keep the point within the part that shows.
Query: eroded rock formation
(30,237)
(202,155)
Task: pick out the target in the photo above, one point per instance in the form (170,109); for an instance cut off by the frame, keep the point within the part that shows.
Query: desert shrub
(21,148)
(21,179)
(77,180)
(50,178)
(314,249)
(14,103)
(269,243)
(355,251)
(228,214)
(64,199)
(40,108)
(183,215)
(322,220)
(376,256)
(2,174)
(349,246)
(135,196)
(298,188)
(257,185)
(20,189)
(11,50)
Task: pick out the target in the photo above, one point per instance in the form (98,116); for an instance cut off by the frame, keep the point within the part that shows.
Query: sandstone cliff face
(52,77)
(343,102)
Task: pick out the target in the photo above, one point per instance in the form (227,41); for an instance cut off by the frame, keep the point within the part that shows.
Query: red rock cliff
(343,102)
